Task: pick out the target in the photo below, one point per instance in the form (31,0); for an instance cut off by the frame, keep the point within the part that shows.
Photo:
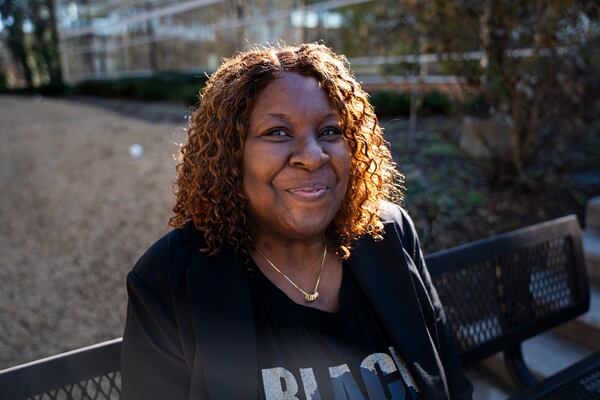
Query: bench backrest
(89,373)
(500,291)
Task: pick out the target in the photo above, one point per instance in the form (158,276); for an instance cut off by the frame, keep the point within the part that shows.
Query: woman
(289,275)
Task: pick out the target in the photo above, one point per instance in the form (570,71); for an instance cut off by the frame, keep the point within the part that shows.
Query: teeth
(309,189)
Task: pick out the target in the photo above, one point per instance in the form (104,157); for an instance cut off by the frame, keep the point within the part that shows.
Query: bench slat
(93,369)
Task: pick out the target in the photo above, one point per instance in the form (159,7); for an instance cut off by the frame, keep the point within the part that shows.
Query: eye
(331,131)
(277,132)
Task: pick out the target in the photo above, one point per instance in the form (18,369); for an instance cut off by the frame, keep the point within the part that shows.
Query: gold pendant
(310,297)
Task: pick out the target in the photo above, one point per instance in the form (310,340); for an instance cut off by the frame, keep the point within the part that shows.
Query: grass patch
(475,198)
(435,149)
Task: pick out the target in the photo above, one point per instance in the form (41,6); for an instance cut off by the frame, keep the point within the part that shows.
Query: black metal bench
(497,293)
(500,291)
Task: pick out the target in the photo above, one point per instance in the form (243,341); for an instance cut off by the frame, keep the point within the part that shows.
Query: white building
(111,38)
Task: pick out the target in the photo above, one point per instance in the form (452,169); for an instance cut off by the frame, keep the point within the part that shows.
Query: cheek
(259,172)
(344,164)
(344,175)
(252,166)
(249,178)
(263,163)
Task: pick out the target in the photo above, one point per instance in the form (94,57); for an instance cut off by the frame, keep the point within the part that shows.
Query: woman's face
(296,161)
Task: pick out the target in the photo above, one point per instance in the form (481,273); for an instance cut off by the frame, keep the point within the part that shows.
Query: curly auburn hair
(208,189)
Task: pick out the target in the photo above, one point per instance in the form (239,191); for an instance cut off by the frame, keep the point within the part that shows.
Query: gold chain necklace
(309,297)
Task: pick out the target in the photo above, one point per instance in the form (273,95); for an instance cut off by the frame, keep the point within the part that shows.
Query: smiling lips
(309,192)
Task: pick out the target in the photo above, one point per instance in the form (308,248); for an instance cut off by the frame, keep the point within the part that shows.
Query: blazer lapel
(386,275)
(222,313)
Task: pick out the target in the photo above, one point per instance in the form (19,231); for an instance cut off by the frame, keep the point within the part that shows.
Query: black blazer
(190,326)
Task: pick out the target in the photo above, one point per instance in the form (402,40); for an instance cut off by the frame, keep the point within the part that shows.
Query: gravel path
(76,211)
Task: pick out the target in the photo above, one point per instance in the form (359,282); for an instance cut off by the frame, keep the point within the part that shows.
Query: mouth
(309,192)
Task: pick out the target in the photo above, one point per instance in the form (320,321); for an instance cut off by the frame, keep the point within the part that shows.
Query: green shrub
(102,88)
(52,89)
(44,90)
(435,102)
(391,103)
(185,93)
(476,105)
(173,86)
(152,88)
(3,83)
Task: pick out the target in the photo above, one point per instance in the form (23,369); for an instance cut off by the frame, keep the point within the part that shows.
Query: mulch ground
(76,211)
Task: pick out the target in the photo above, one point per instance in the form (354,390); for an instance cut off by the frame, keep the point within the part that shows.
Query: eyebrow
(286,117)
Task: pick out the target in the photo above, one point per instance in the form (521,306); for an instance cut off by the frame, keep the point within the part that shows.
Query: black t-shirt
(305,353)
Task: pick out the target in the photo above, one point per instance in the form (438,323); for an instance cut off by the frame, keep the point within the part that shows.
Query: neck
(291,256)
(300,261)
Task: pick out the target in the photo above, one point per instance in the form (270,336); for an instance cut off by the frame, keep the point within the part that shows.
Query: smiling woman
(296,162)
(289,274)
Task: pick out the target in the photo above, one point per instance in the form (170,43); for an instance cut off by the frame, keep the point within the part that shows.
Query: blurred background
(490,107)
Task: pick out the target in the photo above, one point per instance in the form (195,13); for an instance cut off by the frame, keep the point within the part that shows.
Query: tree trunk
(16,39)
(55,67)
(152,47)
(38,46)
(44,40)
(495,36)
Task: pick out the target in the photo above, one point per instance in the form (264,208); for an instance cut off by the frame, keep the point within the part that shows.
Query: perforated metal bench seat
(581,381)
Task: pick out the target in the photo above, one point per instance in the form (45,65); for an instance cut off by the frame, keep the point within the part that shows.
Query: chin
(308,226)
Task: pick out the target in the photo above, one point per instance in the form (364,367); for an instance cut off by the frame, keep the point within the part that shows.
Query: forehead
(292,94)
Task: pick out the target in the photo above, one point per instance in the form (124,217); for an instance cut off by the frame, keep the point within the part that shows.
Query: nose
(309,154)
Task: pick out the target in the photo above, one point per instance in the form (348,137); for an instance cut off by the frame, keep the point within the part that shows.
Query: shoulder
(167,259)
(390,212)
(397,218)
(156,258)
